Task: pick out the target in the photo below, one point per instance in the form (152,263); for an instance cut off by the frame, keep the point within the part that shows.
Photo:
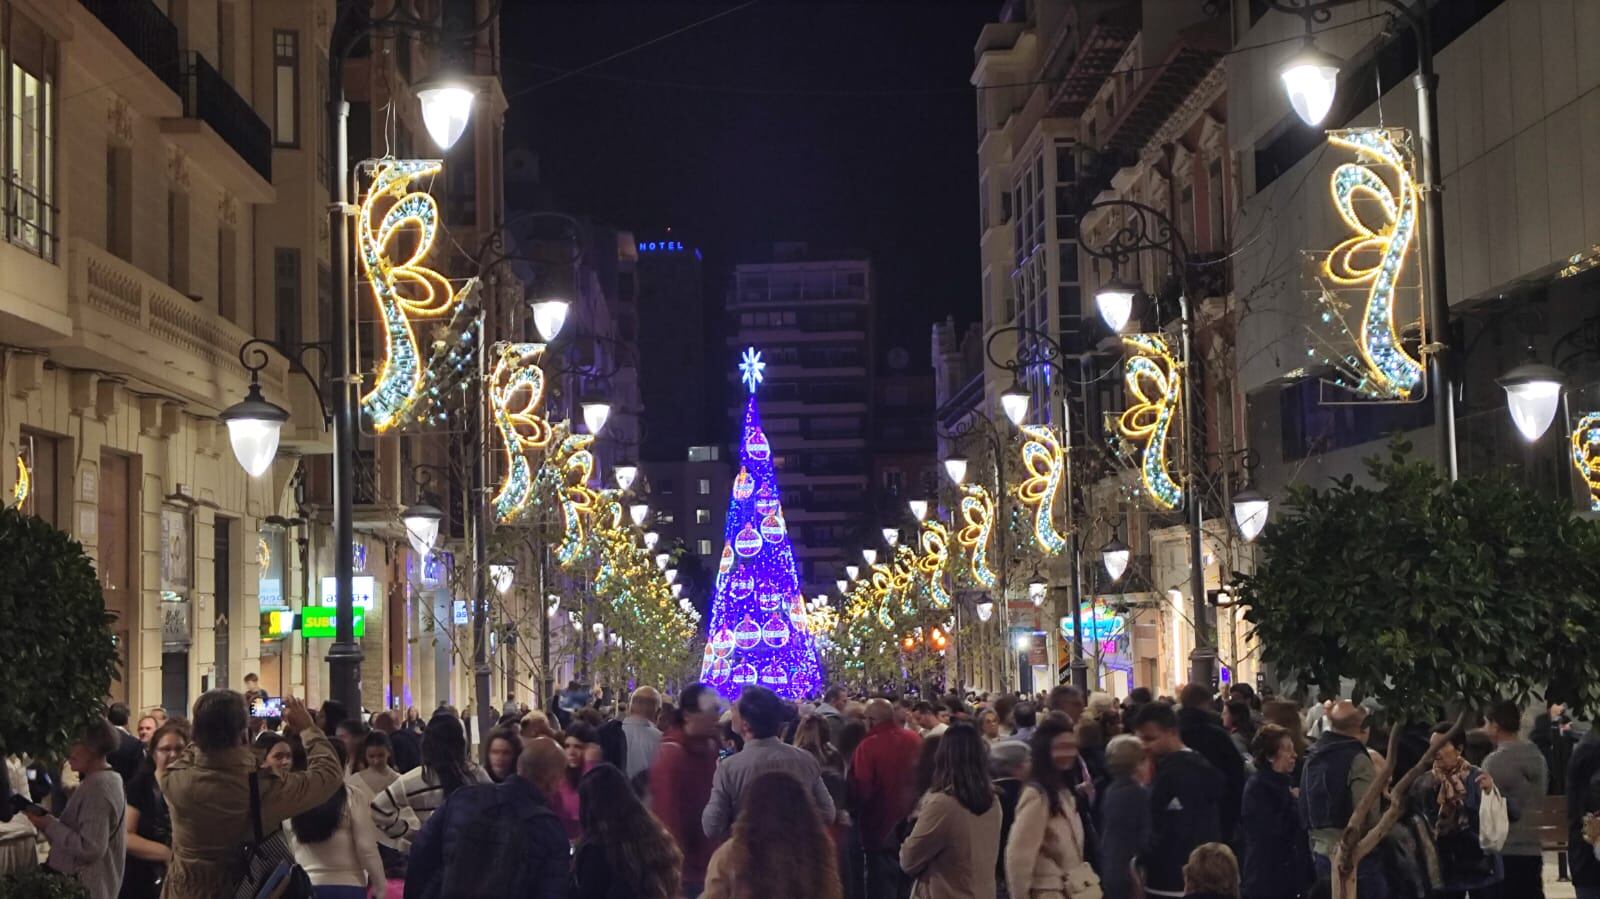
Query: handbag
(1078,878)
(269,868)
(1494,823)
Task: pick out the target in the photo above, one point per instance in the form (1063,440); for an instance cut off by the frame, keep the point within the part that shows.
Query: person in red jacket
(680,780)
(883,787)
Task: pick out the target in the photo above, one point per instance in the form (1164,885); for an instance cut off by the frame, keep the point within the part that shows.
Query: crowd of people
(1060,795)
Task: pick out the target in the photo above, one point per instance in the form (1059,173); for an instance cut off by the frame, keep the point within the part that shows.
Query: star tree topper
(751,369)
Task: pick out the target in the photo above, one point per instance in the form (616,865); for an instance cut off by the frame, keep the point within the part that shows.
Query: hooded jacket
(680,787)
(1185,800)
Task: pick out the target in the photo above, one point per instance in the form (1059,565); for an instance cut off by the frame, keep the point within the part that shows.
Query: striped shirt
(419,792)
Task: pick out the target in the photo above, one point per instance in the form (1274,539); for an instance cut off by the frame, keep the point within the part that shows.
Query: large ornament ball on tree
(57,645)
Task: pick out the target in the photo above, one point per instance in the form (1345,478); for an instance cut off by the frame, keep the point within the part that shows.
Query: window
(666,518)
(703,547)
(43,455)
(178,240)
(702,516)
(286,88)
(704,487)
(1186,219)
(983,203)
(227,275)
(1214,195)
(30,143)
(119,202)
(286,294)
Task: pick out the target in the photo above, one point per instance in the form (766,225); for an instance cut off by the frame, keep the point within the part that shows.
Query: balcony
(147,33)
(128,322)
(220,125)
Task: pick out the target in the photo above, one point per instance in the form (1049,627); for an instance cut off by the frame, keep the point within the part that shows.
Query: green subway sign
(318,621)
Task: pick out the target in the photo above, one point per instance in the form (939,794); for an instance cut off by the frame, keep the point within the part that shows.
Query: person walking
(1520,773)
(1335,776)
(500,840)
(404,742)
(1186,793)
(424,789)
(87,842)
(832,711)
(883,790)
(680,782)
(129,756)
(642,735)
(1052,844)
(759,716)
(779,848)
(148,823)
(582,745)
(1212,872)
(500,751)
(208,792)
(1277,849)
(1202,732)
(1449,797)
(952,851)
(378,772)
(1024,717)
(1123,817)
(1008,770)
(337,846)
(1583,801)
(625,852)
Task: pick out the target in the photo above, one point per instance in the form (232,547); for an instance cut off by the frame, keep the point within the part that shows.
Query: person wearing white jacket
(337,845)
(18,840)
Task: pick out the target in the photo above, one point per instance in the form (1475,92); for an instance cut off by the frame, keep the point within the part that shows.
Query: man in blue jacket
(1185,800)
(1337,773)
(496,839)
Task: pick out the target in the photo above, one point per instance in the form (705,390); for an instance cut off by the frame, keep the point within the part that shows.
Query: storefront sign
(318,621)
(175,624)
(363,588)
(276,624)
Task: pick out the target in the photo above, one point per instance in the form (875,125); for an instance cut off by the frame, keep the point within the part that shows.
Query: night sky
(842,124)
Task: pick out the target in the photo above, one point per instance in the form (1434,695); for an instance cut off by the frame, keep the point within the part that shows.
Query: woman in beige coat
(1047,853)
(951,851)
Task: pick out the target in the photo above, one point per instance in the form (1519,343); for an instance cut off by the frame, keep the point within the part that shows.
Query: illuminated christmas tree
(757,632)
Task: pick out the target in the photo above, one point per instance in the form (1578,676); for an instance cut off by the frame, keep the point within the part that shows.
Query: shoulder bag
(269,868)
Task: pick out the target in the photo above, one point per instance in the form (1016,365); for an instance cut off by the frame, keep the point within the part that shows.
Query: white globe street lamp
(1014,403)
(663,560)
(854,571)
(638,512)
(671,574)
(1036,592)
(1310,78)
(1533,393)
(503,575)
(956,468)
(651,538)
(1114,299)
(548,317)
(595,415)
(919,508)
(891,536)
(843,586)
(421,522)
(1114,556)
(626,474)
(1250,508)
(985,610)
(446,109)
(254,426)
(871,557)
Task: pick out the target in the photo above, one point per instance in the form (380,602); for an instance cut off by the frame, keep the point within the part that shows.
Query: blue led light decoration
(752,636)
(1154,382)
(516,392)
(1044,460)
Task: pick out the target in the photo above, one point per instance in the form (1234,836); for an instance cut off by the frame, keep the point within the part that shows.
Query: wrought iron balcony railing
(209,97)
(145,30)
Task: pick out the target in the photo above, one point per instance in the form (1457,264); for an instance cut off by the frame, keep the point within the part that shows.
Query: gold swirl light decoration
(1585,442)
(933,539)
(575,463)
(1154,381)
(977,513)
(1045,461)
(405,289)
(516,398)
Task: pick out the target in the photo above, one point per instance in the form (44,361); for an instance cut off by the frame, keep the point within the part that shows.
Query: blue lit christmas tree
(757,632)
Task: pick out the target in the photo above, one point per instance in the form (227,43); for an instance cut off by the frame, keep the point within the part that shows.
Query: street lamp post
(1147,228)
(1044,350)
(956,467)
(1311,79)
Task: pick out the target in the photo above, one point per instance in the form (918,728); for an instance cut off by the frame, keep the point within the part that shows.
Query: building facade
(811,317)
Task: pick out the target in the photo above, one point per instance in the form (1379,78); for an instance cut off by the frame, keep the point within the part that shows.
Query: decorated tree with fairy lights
(758,629)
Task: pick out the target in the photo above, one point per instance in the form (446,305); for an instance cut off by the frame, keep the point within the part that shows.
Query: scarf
(1452,786)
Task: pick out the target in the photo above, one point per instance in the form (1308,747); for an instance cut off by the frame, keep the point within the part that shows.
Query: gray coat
(1520,773)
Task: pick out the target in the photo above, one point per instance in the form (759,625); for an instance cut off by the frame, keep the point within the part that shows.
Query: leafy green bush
(56,643)
(37,884)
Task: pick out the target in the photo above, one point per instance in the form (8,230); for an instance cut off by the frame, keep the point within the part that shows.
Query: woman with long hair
(148,823)
(625,851)
(500,753)
(444,770)
(1052,839)
(779,848)
(583,752)
(337,846)
(951,851)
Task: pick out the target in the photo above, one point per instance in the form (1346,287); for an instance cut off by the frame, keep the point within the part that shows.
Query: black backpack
(493,850)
